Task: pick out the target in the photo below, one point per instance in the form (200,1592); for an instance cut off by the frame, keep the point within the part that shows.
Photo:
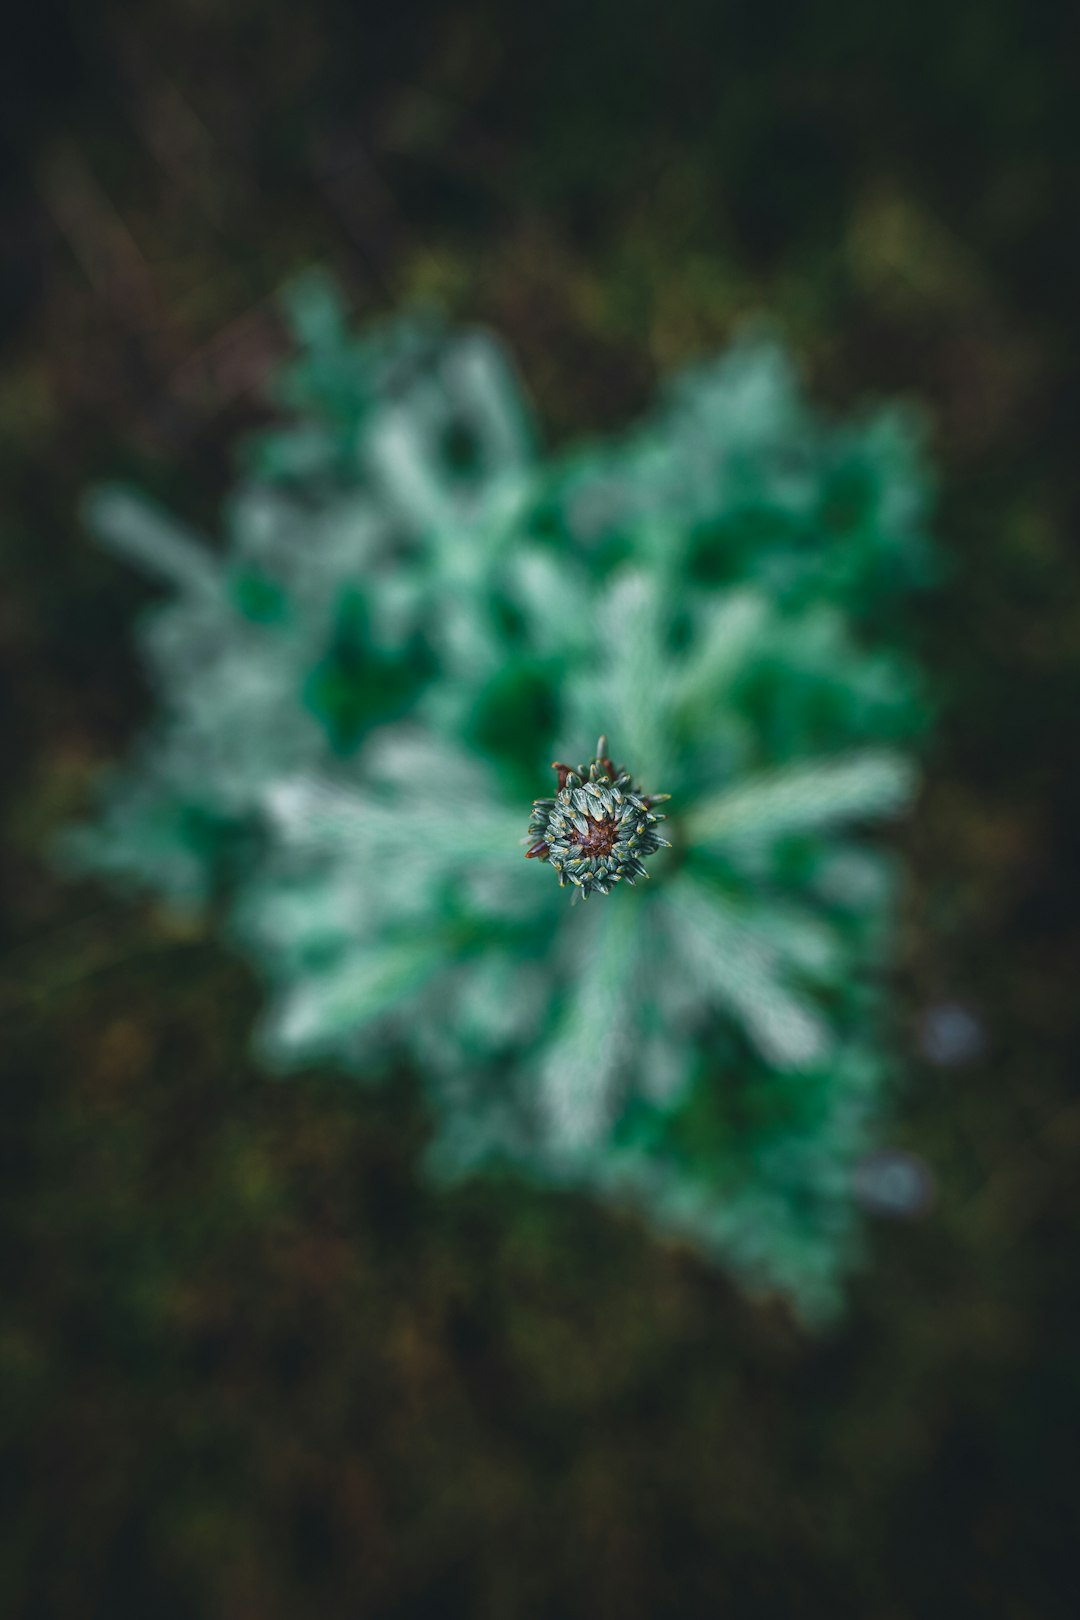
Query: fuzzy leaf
(804,799)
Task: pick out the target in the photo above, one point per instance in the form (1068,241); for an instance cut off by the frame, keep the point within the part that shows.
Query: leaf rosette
(413,609)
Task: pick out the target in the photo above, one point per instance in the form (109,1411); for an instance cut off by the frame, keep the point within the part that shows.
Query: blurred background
(252,1367)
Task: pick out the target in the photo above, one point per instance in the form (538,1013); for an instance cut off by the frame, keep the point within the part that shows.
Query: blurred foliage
(411,613)
(251,1363)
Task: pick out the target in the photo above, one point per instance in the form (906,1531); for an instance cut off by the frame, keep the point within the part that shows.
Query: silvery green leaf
(802,799)
(338,1002)
(582,1066)
(743,975)
(137,529)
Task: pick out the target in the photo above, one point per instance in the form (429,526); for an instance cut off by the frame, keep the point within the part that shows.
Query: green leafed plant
(413,613)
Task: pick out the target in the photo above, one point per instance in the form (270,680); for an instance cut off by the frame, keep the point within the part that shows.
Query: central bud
(598,828)
(598,840)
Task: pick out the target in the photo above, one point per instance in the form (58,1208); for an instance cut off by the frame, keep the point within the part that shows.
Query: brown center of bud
(600,838)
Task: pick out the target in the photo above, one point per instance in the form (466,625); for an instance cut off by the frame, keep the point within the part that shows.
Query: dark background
(250,1366)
